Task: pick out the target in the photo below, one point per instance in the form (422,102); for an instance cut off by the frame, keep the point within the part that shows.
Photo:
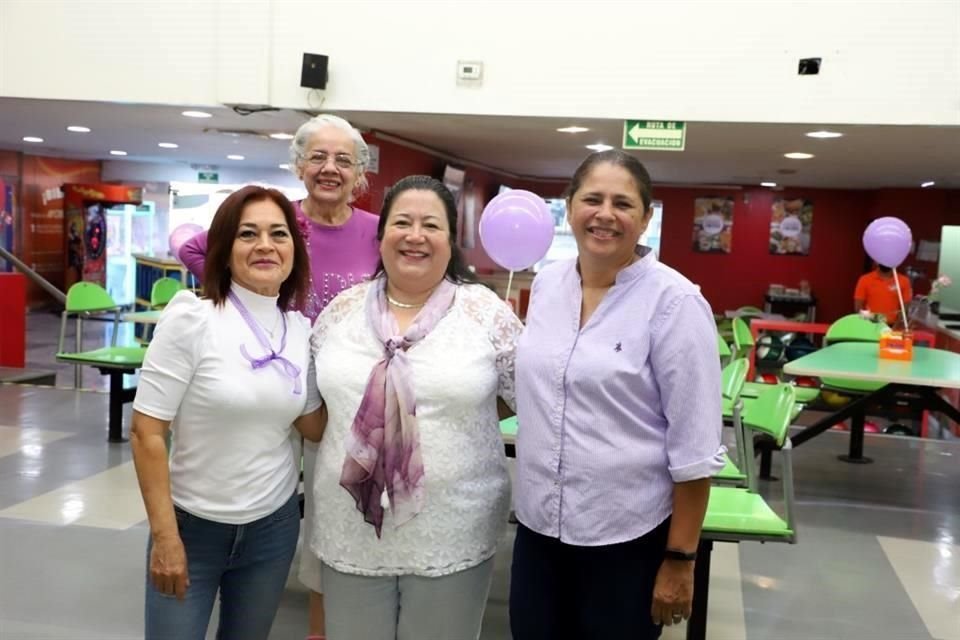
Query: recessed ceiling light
(197,114)
(234,156)
(573,129)
(599,147)
(281,136)
(75,128)
(117,152)
(168,145)
(284,166)
(824,134)
(32,139)
(928,184)
(798,155)
(768,184)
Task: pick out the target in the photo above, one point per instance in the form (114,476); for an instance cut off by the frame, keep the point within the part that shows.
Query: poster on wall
(791,223)
(713,224)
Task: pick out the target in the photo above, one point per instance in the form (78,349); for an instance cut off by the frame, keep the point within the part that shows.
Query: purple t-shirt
(340,257)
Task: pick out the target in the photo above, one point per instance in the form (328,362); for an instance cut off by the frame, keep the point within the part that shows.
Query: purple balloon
(888,241)
(181,234)
(516,229)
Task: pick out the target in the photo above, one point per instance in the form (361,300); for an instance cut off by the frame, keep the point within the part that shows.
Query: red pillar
(13,316)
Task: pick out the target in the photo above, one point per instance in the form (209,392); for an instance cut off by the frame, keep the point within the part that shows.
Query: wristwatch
(677,554)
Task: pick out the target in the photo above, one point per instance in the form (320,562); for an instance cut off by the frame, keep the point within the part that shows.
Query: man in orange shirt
(877,293)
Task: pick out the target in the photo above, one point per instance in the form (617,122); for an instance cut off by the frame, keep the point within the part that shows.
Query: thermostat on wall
(467,70)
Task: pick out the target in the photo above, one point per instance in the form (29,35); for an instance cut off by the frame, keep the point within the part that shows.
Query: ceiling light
(928,184)
(281,136)
(573,129)
(599,147)
(824,134)
(168,145)
(117,152)
(798,155)
(768,184)
(284,166)
(75,128)
(32,139)
(197,114)
(234,156)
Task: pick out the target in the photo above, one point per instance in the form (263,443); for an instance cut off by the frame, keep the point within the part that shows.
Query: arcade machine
(85,228)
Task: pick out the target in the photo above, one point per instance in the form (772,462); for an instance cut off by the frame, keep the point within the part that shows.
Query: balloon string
(506,298)
(903,308)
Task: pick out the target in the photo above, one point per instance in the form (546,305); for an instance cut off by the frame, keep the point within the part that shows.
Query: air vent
(238,133)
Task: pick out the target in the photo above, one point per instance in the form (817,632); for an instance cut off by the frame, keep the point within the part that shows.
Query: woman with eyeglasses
(331,158)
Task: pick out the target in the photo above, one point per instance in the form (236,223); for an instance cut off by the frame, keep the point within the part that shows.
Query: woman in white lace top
(411,486)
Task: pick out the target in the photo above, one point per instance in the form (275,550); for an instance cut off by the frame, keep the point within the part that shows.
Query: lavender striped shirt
(613,414)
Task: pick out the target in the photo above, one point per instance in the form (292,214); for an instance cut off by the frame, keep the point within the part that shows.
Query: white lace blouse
(459,369)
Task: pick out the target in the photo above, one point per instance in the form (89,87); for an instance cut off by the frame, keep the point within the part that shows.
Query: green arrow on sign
(654,135)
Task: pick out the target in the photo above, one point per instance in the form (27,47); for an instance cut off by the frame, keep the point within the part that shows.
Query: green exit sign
(208,177)
(654,135)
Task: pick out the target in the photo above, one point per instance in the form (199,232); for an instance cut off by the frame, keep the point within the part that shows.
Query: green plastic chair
(731,383)
(163,290)
(742,338)
(723,348)
(854,328)
(86,299)
(735,514)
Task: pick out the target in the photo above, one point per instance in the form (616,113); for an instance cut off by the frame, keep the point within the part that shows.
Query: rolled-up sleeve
(687,371)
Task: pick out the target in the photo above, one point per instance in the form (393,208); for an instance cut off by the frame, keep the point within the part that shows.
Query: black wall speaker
(313,74)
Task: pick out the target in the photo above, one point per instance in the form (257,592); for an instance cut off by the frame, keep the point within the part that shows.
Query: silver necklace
(403,305)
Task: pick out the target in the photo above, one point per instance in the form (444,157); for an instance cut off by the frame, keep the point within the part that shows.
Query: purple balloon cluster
(888,241)
(516,229)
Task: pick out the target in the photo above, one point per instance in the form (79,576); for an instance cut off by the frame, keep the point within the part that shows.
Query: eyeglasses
(341,160)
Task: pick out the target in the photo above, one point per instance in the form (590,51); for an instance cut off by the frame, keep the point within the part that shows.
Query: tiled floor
(878,554)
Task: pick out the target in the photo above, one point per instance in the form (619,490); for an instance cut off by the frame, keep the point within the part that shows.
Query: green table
(929,370)
(143,317)
(508,429)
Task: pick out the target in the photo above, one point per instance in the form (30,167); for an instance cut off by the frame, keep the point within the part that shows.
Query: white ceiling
(716,153)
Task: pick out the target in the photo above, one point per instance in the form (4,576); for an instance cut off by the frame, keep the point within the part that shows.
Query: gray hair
(298,146)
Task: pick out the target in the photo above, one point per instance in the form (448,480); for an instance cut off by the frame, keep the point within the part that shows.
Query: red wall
(41,227)
(740,278)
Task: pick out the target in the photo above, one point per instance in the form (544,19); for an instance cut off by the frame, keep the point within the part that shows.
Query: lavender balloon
(888,241)
(516,229)
(181,234)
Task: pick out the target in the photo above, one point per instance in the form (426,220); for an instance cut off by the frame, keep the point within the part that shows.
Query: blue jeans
(248,564)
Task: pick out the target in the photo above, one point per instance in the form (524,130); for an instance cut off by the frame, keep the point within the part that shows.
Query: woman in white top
(411,480)
(227,375)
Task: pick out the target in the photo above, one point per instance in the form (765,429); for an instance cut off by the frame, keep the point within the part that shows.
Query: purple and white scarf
(383,449)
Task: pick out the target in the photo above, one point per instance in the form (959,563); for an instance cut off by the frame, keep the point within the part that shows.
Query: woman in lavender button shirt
(619,410)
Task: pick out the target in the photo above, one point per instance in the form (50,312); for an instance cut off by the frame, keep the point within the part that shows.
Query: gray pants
(406,607)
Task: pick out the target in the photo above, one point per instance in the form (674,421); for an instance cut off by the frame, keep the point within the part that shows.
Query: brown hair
(223,233)
(617,158)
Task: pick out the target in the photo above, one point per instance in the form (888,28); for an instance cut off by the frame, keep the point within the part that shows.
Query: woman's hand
(673,592)
(168,566)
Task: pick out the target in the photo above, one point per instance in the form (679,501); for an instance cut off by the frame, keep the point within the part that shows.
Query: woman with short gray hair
(330,156)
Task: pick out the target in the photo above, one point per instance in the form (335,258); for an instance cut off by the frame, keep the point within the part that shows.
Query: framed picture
(713,224)
(791,224)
